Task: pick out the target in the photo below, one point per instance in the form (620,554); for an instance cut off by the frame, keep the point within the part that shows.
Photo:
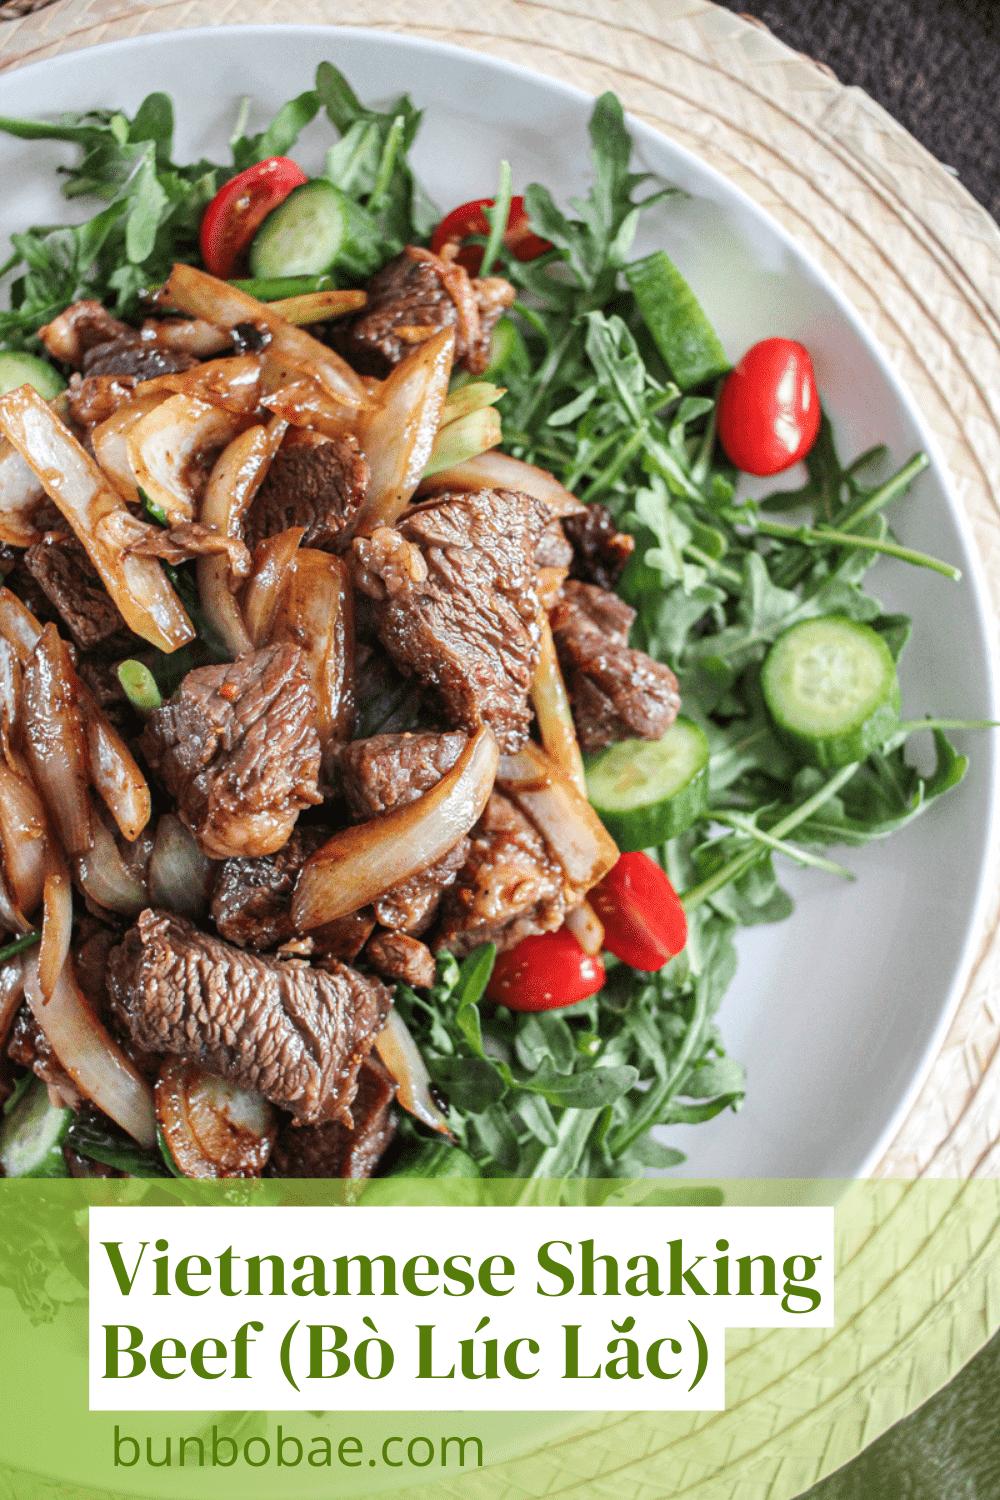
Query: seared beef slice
(252,898)
(237,748)
(390,770)
(617,693)
(316,486)
(69,581)
(333,1150)
(457,603)
(509,887)
(415,296)
(294,1033)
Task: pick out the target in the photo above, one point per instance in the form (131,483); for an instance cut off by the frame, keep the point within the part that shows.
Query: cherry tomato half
(545,973)
(644,921)
(470,218)
(240,207)
(769,407)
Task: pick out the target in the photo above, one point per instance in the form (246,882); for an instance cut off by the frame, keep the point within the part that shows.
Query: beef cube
(390,770)
(65,575)
(133,357)
(294,1033)
(416,296)
(599,550)
(80,327)
(316,486)
(616,693)
(554,550)
(397,956)
(458,601)
(333,1149)
(237,748)
(510,886)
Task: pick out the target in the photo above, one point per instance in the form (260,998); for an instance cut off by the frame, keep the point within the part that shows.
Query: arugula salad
(452,499)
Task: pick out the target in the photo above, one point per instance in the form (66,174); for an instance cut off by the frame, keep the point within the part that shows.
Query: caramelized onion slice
(272,561)
(204,296)
(316,613)
(401,1056)
(180,875)
(11,993)
(238,474)
(109,441)
(397,433)
(317,307)
(210,1127)
(55,743)
(233,383)
(186,336)
(361,863)
(164,444)
(23,835)
(587,927)
(20,496)
(306,403)
(550,701)
(574,833)
(89,1054)
(18,625)
(498,471)
(57,928)
(104,876)
(114,771)
(73,481)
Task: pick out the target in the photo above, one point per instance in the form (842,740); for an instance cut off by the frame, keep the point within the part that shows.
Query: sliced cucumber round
(830,686)
(32,1135)
(28,369)
(303,236)
(646,791)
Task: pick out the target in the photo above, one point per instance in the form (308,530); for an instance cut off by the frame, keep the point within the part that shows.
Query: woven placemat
(920,260)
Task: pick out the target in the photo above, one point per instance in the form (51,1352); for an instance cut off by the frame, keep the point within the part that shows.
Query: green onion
(140,686)
(498,216)
(26,940)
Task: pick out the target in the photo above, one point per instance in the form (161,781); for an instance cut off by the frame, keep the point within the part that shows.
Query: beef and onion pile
(294,696)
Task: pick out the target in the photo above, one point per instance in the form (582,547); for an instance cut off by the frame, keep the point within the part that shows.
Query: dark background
(933,64)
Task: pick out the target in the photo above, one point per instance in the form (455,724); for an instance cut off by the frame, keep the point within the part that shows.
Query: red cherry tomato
(470,218)
(545,973)
(240,207)
(644,921)
(769,407)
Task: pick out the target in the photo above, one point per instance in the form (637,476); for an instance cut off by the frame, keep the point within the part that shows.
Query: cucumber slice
(315,229)
(32,1135)
(830,686)
(207,1127)
(686,340)
(28,369)
(646,791)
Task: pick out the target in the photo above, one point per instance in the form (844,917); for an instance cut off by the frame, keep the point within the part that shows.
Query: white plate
(838,1011)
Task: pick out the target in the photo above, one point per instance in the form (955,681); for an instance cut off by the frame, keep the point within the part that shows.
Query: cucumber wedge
(28,369)
(646,791)
(831,688)
(314,230)
(688,344)
(32,1135)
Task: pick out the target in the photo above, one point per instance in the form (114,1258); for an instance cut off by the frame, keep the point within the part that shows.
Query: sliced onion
(11,993)
(55,744)
(318,307)
(203,296)
(574,833)
(401,1056)
(57,928)
(361,863)
(238,474)
(109,441)
(553,712)
(164,446)
(587,927)
(233,383)
(210,1127)
(307,404)
(20,496)
(272,561)
(114,771)
(179,873)
(498,471)
(23,835)
(12,918)
(11,697)
(85,497)
(18,625)
(398,432)
(186,336)
(105,877)
(316,613)
(90,1055)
